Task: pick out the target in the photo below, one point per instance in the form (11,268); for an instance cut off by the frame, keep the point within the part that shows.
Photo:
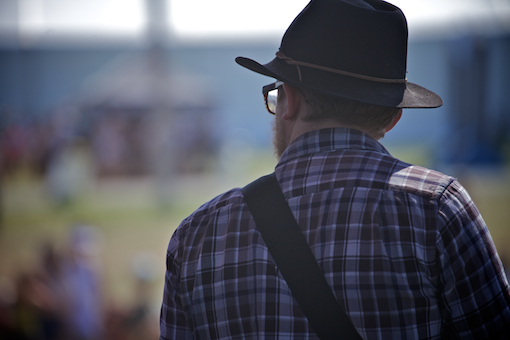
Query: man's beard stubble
(279,138)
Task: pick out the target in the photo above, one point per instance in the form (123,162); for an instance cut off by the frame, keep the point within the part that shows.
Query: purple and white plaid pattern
(403,247)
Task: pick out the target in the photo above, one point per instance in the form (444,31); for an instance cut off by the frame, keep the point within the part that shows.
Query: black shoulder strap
(295,259)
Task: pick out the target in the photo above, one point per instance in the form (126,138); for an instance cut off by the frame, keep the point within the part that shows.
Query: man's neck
(301,127)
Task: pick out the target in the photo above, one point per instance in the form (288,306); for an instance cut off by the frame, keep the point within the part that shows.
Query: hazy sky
(219,18)
(234,17)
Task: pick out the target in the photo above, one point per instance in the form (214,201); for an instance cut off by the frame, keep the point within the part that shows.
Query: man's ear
(293,101)
(395,121)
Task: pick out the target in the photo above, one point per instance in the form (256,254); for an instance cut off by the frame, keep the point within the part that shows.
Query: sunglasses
(270,93)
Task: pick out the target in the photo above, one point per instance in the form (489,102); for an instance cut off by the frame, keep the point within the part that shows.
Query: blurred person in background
(31,307)
(403,248)
(34,314)
(60,298)
(77,283)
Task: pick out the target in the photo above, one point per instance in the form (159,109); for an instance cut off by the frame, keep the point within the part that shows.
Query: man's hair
(373,119)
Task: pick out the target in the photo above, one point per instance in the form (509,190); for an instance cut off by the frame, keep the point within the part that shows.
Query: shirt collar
(332,139)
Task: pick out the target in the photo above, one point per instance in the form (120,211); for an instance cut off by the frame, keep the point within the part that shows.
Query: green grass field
(132,221)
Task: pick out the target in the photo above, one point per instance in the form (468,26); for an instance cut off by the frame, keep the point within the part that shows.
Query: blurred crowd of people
(119,140)
(62,298)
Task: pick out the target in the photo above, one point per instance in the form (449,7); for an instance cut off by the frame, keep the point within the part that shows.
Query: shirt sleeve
(474,294)
(173,323)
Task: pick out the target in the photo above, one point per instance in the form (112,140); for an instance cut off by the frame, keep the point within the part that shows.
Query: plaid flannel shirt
(404,249)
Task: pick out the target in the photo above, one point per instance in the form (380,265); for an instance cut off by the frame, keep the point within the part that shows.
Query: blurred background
(118,118)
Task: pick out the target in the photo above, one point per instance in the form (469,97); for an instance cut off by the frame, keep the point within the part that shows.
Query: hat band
(291,61)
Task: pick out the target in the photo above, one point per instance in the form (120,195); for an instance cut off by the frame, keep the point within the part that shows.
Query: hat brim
(399,95)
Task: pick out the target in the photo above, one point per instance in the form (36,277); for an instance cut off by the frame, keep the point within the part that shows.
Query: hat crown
(367,38)
(354,49)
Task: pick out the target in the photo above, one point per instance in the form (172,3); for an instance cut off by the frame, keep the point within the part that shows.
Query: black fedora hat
(353,49)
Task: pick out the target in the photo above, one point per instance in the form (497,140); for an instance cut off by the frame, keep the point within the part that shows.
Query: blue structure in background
(479,78)
(471,73)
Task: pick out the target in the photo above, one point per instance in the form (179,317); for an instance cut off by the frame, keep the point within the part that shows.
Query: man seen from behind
(403,248)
